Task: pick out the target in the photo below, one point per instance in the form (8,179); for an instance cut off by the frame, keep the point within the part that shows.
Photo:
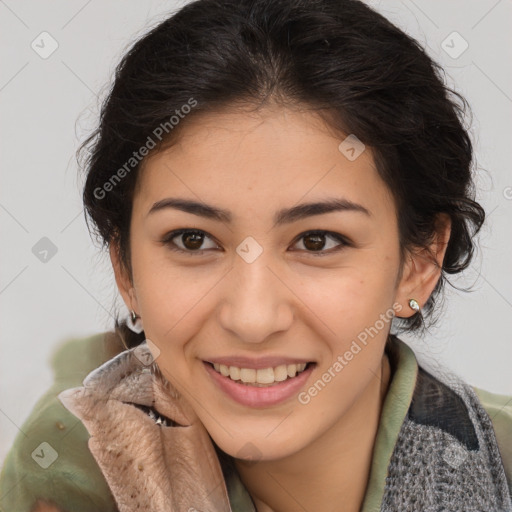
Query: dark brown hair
(338,57)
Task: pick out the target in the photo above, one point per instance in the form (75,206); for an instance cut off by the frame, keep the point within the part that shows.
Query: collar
(144,432)
(151,447)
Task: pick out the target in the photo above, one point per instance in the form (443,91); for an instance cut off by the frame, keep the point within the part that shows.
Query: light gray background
(48,105)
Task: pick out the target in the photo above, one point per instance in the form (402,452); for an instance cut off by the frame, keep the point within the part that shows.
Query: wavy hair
(347,62)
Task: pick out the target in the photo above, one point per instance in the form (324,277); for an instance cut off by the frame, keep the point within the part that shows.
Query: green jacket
(50,458)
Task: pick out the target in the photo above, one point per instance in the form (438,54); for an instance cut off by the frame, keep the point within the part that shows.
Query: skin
(288,302)
(45,506)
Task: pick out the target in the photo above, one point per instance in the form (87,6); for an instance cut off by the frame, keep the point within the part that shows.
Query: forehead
(253,159)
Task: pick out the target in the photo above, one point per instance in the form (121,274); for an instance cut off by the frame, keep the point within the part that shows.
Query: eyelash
(344,242)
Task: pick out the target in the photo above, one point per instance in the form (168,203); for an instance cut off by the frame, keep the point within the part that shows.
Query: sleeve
(499,409)
(49,461)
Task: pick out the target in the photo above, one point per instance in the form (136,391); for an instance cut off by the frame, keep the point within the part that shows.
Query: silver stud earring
(134,322)
(413,304)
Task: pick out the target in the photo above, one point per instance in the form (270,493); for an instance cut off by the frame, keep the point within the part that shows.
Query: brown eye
(314,242)
(188,241)
(318,242)
(192,240)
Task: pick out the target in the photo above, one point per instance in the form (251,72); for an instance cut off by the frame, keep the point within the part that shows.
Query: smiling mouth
(262,377)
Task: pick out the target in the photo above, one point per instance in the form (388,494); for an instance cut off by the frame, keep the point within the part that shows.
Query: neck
(333,469)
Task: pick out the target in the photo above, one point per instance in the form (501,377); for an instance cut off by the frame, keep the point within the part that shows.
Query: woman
(277,184)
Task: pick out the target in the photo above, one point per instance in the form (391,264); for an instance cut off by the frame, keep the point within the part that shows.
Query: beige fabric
(147,466)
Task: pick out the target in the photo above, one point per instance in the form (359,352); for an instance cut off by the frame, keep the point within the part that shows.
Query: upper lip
(259,363)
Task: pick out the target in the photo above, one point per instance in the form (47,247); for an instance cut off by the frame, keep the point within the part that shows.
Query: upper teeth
(262,375)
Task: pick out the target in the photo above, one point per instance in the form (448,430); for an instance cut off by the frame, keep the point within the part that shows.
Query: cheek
(166,291)
(351,299)
(166,297)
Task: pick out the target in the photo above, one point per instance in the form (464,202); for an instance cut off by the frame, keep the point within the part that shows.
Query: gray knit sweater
(446,457)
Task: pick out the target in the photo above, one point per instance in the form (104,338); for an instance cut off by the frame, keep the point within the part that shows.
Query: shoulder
(499,409)
(50,458)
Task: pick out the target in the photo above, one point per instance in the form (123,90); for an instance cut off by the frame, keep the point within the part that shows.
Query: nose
(257,303)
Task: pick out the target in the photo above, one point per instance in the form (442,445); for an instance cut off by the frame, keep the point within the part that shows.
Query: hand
(45,506)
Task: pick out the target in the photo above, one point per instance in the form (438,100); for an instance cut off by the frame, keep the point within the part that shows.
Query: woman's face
(253,290)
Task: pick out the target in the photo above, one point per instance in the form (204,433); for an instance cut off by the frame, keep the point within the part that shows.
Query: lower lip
(254,396)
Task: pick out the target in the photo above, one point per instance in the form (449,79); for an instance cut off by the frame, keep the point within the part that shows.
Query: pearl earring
(134,322)
(413,304)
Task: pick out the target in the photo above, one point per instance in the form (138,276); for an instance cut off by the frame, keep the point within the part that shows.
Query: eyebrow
(283,216)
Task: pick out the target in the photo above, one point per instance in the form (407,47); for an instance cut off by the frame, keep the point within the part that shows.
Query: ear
(422,268)
(123,281)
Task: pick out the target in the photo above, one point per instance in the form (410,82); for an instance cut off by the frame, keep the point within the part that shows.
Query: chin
(258,447)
